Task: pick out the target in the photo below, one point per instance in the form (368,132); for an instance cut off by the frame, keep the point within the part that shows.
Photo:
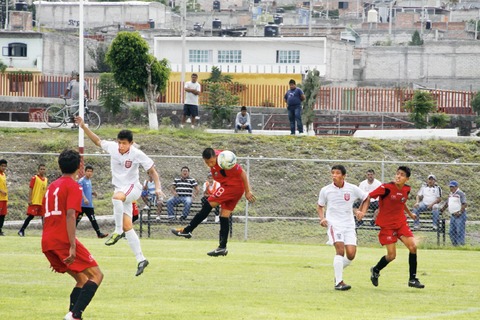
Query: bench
(425,225)
(148,216)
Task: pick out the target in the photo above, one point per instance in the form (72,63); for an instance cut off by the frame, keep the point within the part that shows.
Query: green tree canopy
(310,87)
(420,106)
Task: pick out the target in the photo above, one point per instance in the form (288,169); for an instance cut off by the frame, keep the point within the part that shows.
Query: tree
(419,107)
(416,40)
(475,103)
(3,67)
(310,87)
(221,102)
(217,76)
(137,71)
(112,97)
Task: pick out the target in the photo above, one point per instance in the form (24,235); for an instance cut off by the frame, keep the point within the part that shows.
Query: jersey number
(54,212)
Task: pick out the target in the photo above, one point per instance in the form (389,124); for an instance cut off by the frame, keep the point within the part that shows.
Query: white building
(22,50)
(277,55)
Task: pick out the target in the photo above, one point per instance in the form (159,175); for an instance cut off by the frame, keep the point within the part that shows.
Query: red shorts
(227,197)
(389,236)
(34,210)
(3,208)
(83,259)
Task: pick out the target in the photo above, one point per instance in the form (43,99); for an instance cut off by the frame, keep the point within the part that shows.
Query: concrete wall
(63,15)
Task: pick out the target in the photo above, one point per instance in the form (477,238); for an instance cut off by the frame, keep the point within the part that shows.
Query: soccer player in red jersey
(233,184)
(65,253)
(38,187)
(393,225)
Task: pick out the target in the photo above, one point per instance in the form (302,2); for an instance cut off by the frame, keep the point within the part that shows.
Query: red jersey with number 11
(391,205)
(63,194)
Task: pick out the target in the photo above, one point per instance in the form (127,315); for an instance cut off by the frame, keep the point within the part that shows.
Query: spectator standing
(125,160)
(294,98)
(65,253)
(428,198)
(242,121)
(149,196)
(339,197)
(393,225)
(3,194)
(184,189)
(457,205)
(37,189)
(368,185)
(87,201)
(209,188)
(190,107)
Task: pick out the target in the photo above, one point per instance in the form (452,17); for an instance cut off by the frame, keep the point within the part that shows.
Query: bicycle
(57,115)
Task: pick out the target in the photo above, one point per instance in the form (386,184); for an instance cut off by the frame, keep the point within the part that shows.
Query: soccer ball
(227,160)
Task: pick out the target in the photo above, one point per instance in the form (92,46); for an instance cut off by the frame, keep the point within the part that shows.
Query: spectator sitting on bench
(184,188)
(368,185)
(428,198)
(242,121)
(149,196)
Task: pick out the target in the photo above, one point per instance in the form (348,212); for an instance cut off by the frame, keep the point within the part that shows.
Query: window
(229,56)
(199,56)
(288,56)
(342,5)
(16,49)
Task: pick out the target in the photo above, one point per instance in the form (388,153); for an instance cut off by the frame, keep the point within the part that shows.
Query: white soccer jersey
(125,166)
(339,203)
(191,98)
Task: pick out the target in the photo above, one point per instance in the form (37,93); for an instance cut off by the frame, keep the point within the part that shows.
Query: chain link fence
(286,189)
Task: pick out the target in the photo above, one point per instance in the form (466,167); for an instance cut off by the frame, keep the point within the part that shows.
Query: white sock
(338,268)
(346,262)
(134,243)
(118,215)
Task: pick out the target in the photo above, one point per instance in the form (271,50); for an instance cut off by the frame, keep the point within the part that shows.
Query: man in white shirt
(368,185)
(428,198)
(242,121)
(457,207)
(125,161)
(190,107)
(339,197)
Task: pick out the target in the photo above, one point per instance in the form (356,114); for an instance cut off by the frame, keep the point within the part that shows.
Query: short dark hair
(292,81)
(88,167)
(194,75)
(371,171)
(41,165)
(208,153)
(405,169)
(243,108)
(125,135)
(340,167)
(3,161)
(69,161)
(185,167)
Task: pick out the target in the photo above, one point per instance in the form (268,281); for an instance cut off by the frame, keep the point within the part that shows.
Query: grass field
(255,281)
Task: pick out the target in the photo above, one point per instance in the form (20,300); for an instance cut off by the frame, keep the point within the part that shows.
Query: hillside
(272,180)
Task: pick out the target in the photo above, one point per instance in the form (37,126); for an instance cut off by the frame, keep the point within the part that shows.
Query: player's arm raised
(248,193)
(95,139)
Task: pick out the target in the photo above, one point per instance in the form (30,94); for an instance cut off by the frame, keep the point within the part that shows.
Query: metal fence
(286,189)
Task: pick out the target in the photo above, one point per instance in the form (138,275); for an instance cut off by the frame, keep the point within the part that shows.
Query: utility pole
(310,15)
(184,47)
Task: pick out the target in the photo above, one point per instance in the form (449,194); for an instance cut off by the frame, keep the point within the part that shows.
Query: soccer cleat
(141,266)
(374,276)
(342,286)
(69,316)
(102,235)
(114,238)
(218,252)
(21,233)
(415,283)
(181,233)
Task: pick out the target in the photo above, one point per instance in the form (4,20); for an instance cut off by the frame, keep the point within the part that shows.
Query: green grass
(255,281)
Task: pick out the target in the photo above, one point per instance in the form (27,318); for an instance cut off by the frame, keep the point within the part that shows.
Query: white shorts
(347,235)
(132,193)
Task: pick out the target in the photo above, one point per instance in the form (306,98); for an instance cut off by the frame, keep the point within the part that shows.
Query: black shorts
(190,110)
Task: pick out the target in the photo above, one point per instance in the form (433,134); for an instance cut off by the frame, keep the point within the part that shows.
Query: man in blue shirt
(294,98)
(87,201)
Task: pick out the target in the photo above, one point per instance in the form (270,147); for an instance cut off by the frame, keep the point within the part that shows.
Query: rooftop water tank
(372,16)
(217,24)
(271,30)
